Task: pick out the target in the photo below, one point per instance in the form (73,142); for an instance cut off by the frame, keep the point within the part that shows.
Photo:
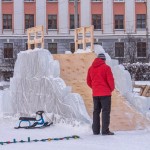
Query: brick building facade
(119,24)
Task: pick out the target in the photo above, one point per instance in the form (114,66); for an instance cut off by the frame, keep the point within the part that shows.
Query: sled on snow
(33,122)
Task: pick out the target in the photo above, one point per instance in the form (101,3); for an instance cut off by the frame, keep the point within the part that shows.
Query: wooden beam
(146,91)
(139,86)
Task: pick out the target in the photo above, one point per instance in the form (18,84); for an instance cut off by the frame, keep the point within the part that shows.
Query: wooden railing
(35,32)
(85,38)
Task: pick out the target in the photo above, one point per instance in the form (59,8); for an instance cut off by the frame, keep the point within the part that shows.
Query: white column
(63,16)
(85,12)
(0,16)
(130,16)
(18,16)
(108,16)
(148,14)
(41,13)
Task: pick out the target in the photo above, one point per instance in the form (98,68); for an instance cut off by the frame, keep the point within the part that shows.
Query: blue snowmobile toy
(33,122)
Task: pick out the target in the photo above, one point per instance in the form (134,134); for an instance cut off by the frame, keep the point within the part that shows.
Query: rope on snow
(42,140)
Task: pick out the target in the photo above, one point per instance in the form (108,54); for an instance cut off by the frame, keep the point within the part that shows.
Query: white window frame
(119,1)
(5,1)
(72,1)
(29,1)
(140,1)
(51,1)
(96,0)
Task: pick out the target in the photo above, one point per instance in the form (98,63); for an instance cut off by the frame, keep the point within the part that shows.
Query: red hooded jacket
(100,78)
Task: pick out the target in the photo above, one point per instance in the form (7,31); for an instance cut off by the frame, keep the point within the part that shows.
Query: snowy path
(126,140)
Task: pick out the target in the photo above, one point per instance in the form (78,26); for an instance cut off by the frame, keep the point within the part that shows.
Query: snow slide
(74,70)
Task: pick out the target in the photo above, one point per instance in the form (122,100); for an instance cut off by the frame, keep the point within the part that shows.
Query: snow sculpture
(36,85)
(123,81)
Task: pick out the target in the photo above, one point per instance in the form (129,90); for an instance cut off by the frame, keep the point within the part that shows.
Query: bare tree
(130,47)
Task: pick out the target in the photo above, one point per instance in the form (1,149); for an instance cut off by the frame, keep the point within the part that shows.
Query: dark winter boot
(108,133)
(95,132)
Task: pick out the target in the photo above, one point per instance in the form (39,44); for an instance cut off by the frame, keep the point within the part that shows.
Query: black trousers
(101,103)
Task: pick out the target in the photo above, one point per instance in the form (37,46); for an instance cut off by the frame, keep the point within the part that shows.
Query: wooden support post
(35,37)
(42,37)
(29,46)
(92,38)
(146,91)
(36,40)
(84,40)
(75,39)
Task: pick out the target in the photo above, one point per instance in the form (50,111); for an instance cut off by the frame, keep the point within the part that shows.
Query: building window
(7,21)
(118,0)
(72,0)
(52,0)
(72,21)
(96,0)
(29,0)
(119,49)
(96,21)
(52,21)
(140,0)
(7,75)
(8,50)
(141,21)
(29,21)
(52,47)
(7,0)
(119,22)
(141,49)
(72,47)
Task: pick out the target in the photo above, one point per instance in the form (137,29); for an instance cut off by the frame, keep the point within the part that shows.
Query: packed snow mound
(36,85)
(36,64)
(97,50)
(123,82)
(88,50)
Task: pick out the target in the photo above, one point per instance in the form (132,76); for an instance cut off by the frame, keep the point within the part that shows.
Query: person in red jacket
(100,80)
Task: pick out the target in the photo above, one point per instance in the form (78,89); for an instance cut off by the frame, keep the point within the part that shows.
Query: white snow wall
(36,85)
(123,84)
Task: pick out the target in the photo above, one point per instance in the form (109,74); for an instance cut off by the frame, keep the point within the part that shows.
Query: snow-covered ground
(3,83)
(125,140)
(142,82)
